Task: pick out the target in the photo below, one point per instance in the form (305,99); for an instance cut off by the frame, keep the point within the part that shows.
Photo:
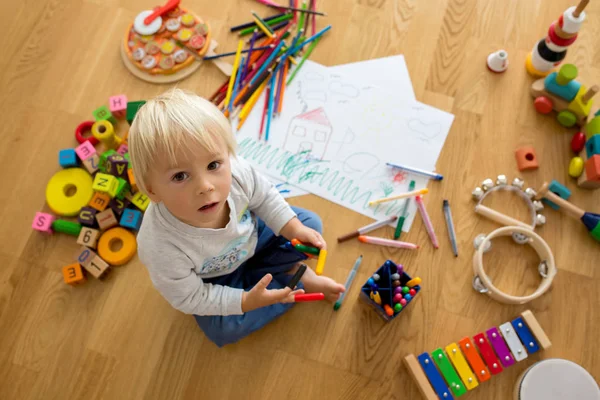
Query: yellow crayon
(321,261)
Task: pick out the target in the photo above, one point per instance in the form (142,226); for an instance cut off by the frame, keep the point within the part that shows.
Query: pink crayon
(426,221)
(387,242)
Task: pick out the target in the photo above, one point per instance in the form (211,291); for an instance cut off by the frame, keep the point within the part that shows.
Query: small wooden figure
(88,237)
(116,165)
(106,219)
(67,158)
(105,132)
(131,219)
(104,114)
(73,275)
(85,150)
(100,201)
(92,163)
(42,222)
(87,216)
(526,158)
(118,105)
(141,201)
(105,183)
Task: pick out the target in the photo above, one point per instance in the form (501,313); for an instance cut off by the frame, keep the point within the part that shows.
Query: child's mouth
(208,207)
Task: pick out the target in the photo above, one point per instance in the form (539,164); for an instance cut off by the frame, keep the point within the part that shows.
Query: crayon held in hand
(387,242)
(302,298)
(297,276)
(400,196)
(307,249)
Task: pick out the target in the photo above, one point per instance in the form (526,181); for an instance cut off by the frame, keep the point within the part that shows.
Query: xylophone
(460,368)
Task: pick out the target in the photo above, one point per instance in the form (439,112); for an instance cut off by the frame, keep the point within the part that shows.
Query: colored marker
(399,196)
(450,223)
(419,171)
(367,228)
(402,218)
(348,283)
(321,262)
(302,298)
(427,221)
(297,276)
(388,242)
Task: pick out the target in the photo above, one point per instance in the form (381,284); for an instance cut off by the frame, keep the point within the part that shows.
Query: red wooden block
(592,168)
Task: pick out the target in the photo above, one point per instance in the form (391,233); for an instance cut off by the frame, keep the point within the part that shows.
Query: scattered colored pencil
(427,221)
(314,17)
(399,196)
(367,228)
(270,106)
(302,16)
(266,64)
(233,77)
(304,57)
(283,85)
(281,18)
(388,242)
(264,114)
(250,104)
(450,223)
(253,24)
(280,83)
(236,84)
(300,10)
(263,25)
(235,52)
(250,50)
(404,214)
(277,27)
(348,283)
(312,38)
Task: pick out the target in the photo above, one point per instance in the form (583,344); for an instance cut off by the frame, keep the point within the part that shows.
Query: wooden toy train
(461,367)
(561,92)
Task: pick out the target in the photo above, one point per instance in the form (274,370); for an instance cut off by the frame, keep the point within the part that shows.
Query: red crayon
(301,298)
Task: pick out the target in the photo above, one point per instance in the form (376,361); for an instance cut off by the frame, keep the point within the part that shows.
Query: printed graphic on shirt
(233,254)
(243,214)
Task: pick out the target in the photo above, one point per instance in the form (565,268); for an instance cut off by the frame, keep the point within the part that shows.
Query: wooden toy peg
(536,329)
(571,209)
(566,74)
(589,94)
(580,7)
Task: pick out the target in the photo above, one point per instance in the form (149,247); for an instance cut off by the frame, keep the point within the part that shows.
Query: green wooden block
(450,375)
(132,109)
(596,233)
(103,113)
(68,227)
(126,155)
(103,158)
(592,128)
(122,189)
(566,118)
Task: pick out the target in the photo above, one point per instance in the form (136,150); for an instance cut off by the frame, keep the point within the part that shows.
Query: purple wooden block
(500,347)
(117,165)
(118,206)
(87,216)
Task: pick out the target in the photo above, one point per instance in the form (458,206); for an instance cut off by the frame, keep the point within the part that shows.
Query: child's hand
(259,296)
(297,230)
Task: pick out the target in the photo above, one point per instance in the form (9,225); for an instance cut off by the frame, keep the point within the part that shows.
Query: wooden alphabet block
(42,222)
(84,256)
(131,219)
(119,205)
(104,114)
(97,267)
(118,105)
(92,163)
(578,106)
(141,201)
(106,219)
(67,158)
(103,158)
(132,109)
(85,150)
(592,167)
(87,216)
(132,180)
(73,275)
(116,165)
(88,237)
(592,146)
(105,183)
(123,149)
(100,201)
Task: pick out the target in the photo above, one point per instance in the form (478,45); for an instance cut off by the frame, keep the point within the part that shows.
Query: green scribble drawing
(300,168)
(387,189)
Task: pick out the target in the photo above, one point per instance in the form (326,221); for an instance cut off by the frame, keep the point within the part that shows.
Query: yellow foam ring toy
(117,246)
(105,132)
(68,190)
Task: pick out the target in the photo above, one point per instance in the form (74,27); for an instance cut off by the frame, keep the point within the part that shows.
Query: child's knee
(312,220)
(219,331)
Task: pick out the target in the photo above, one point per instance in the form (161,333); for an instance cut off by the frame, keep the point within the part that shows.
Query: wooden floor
(120,340)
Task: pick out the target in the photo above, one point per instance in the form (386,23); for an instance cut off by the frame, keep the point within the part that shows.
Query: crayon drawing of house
(309,132)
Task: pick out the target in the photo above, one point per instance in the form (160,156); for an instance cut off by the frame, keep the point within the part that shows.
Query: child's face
(196,189)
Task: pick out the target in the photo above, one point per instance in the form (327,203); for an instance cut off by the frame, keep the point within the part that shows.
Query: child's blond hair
(168,122)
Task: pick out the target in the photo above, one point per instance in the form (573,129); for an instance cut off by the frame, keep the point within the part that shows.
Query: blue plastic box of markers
(386,290)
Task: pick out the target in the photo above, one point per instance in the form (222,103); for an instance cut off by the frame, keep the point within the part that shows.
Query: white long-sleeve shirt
(178,255)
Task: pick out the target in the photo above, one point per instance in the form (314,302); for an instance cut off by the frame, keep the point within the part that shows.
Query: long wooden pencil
(264,114)
(270,107)
(263,25)
(249,106)
(250,88)
(275,28)
(222,88)
(312,38)
(280,83)
(236,64)
(253,24)
(294,4)
(236,85)
(314,18)
(304,57)
(307,17)
(302,16)
(283,84)
(282,18)
(300,10)
(252,41)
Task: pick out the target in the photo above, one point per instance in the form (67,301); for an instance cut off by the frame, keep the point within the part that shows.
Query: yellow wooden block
(73,275)
(99,201)
(106,183)
(68,190)
(88,237)
(461,366)
(140,200)
(578,107)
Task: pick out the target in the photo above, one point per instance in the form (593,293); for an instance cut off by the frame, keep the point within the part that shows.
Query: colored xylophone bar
(451,373)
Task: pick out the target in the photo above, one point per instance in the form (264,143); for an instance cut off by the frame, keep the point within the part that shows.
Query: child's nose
(204,186)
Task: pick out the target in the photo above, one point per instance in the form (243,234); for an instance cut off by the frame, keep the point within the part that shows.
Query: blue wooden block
(436,380)
(67,158)
(567,92)
(559,190)
(131,219)
(592,146)
(525,335)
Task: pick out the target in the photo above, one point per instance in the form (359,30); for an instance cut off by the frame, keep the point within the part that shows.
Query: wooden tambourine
(482,282)
(168,49)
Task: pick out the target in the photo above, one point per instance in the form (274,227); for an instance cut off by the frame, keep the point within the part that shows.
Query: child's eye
(214,165)
(179,177)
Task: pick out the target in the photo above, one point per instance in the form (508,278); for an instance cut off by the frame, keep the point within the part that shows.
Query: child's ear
(152,195)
